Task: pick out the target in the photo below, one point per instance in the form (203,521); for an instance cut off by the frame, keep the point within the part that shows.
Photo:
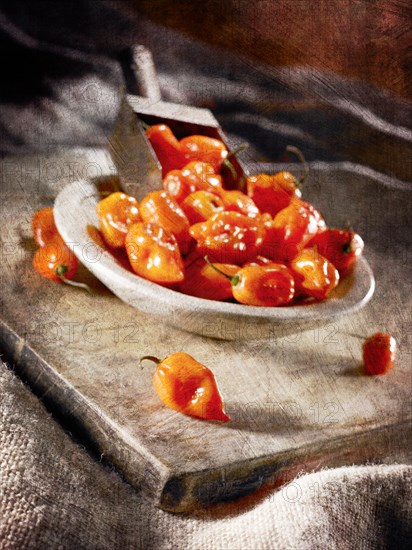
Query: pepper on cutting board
(187,386)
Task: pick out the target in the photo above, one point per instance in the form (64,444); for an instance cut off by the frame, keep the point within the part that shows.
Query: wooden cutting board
(297,402)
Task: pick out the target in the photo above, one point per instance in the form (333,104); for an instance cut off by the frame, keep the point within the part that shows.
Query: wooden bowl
(75,214)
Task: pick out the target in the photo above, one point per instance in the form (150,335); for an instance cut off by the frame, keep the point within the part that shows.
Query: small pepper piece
(379,351)
(187,386)
(206,149)
(116,214)
(229,237)
(167,147)
(154,253)
(160,208)
(314,275)
(342,247)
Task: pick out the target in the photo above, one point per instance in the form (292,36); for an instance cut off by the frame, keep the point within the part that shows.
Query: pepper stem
(228,164)
(299,154)
(149,358)
(61,270)
(233,280)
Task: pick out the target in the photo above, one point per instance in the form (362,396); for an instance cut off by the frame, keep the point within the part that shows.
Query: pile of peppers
(264,247)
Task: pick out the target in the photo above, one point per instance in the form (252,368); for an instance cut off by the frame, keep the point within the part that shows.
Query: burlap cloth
(55,495)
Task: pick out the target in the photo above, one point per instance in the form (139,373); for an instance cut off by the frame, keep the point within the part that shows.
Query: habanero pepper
(43,227)
(342,247)
(201,205)
(290,230)
(237,201)
(379,351)
(202,281)
(160,208)
(116,214)
(167,148)
(314,275)
(206,149)
(188,387)
(229,237)
(261,285)
(154,253)
(55,261)
(272,193)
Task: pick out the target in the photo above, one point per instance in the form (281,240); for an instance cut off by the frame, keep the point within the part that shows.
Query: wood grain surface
(298,402)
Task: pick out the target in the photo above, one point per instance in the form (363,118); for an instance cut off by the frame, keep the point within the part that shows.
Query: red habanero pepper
(154,253)
(167,147)
(188,387)
(262,285)
(290,230)
(206,149)
(314,275)
(379,351)
(116,214)
(272,193)
(228,237)
(203,281)
(340,246)
(201,205)
(160,208)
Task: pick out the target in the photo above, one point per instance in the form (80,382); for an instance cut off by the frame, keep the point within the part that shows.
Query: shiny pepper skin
(206,149)
(167,148)
(117,213)
(228,237)
(237,201)
(43,226)
(314,275)
(290,230)
(340,246)
(379,351)
(202,281)
(154,253)
(160,208)
(201,205)
(55,261)
(263,285)
(187,386)
(272,193)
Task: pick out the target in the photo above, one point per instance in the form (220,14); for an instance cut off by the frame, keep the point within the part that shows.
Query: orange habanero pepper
(229,237)
(272,193)
(262,285)
(116,214)
(314,275)
(188,387)
(160,208)
(154,253)
(206,149)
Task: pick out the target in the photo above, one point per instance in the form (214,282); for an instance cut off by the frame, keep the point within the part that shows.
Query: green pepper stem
(233,280)
(60,272)
(299,154)
(228,164)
